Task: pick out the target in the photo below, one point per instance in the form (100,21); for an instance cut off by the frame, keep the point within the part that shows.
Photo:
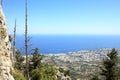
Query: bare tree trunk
(1,2)
(14,45)
(14,41)
(26,43)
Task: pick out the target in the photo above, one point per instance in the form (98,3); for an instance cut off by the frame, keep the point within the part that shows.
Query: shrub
(18,75)
(44,73)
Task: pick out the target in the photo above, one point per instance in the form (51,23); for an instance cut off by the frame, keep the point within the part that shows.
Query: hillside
(82,64)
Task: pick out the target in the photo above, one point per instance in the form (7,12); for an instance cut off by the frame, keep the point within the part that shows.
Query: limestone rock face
(5,50)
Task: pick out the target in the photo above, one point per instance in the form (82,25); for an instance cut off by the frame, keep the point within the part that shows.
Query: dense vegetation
(41,71)
(37,69)
(19,60)
(18,75)
(110,69)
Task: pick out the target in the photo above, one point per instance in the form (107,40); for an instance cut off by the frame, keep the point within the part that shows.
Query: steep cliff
(5,50)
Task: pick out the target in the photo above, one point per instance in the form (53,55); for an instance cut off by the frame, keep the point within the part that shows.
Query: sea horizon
(54,44)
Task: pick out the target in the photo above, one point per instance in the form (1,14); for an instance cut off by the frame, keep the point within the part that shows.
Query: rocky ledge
(5,50)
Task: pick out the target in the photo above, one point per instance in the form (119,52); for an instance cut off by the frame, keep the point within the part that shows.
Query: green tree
(35,60)
(39,70)
(19,60)
(111,70)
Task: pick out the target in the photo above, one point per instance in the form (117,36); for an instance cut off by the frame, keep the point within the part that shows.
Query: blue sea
(68,43)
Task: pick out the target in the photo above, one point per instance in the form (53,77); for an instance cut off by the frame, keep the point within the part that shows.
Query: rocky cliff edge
(5,50)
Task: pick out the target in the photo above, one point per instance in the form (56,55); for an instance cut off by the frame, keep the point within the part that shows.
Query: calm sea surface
(66,43)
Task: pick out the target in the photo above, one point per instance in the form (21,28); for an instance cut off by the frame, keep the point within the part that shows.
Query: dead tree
(1,2)
(26,42)
(14,42)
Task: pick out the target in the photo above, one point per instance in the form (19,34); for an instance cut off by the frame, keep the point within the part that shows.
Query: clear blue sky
(65,16)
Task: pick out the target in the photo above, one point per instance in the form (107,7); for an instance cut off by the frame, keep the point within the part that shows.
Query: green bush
(44,73)
(10,38)
(18,75)
(3,33)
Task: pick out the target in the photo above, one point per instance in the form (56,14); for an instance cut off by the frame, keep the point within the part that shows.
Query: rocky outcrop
(5,51)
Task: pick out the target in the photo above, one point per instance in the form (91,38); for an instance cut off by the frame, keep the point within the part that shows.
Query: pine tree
(39,70)
(111,70)
(35,60)
(19,60)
